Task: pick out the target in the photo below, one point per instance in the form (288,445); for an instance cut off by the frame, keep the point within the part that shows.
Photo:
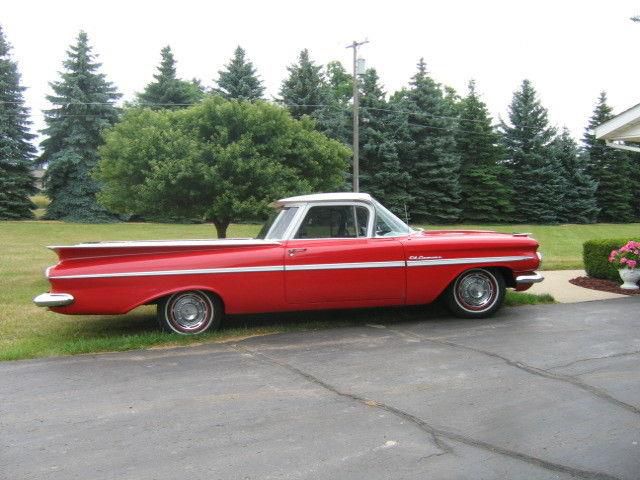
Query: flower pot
(630,277)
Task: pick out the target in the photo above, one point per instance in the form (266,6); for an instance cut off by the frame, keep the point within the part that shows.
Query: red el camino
(324,251)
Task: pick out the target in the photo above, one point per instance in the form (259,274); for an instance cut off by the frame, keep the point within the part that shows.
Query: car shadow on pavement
(340,318)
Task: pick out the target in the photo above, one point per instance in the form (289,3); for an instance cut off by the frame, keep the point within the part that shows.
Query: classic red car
(323,251)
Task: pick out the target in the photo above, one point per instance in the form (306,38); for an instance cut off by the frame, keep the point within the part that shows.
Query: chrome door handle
(293,251)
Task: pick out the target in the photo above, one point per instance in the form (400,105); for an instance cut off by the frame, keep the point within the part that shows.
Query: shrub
(41,200)
(596,253)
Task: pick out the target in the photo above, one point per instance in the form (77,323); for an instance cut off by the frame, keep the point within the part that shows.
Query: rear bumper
(53,299)
(529,279)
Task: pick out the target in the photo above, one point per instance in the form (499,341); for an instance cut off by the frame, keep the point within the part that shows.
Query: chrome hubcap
(476,291)
(190,312)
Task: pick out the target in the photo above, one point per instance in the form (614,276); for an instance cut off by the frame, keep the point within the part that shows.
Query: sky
(570,50)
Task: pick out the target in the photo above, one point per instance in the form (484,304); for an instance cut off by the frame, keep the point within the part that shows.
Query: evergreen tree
(306,92)
(239,79)
(579,201)
(610,168)
(381,174)
(634,159)
(16,150)
(168,91)
(486,196)
(83,105)
(535,173)
(430,153)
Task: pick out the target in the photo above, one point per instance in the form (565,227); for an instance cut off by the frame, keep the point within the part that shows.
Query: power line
(318,105)
(58,114)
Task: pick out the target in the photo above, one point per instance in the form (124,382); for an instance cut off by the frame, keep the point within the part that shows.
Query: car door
(332,259)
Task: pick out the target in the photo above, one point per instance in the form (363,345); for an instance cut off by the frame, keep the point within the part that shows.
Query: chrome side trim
(459,261)
(528,279)
(53,299)
(313,266)
(232,242)
(342,266)
(200,271)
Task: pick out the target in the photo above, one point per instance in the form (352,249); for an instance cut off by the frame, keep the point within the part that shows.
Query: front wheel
(190,313)
(476,293)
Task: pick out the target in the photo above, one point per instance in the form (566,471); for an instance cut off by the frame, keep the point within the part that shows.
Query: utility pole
(356,121)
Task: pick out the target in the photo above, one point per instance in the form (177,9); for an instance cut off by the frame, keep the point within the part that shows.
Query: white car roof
(327,197)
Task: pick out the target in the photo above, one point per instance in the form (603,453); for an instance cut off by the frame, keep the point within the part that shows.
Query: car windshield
(387,224)
(276,226)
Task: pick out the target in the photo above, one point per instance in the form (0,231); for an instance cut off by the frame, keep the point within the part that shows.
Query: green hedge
(596,257)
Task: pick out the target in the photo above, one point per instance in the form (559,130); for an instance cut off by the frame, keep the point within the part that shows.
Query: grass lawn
(28,331)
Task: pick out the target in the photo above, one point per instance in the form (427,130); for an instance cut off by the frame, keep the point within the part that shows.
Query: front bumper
(53,299)
(529,279)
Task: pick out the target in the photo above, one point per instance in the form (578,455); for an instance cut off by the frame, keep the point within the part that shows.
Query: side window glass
(336,221)
(381,227)
(362,221)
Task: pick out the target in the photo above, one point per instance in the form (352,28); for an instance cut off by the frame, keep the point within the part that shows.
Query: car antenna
(406,216)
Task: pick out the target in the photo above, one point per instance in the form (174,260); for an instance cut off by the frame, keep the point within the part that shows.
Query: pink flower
(631,263)
(623,260)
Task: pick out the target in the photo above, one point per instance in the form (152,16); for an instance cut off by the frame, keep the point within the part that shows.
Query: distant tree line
(424,148)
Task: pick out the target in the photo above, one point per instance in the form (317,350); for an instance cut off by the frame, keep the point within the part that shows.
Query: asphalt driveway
(542,392)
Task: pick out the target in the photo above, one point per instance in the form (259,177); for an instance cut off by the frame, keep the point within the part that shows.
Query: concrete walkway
(556,283)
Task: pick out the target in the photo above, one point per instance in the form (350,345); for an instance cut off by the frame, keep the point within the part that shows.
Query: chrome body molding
(293,268)
(232,242)
(53,299)
(529,279)
(461,261)
(342,266)
(161,273)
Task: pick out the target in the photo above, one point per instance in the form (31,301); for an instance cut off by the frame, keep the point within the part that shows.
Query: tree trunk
(221,228)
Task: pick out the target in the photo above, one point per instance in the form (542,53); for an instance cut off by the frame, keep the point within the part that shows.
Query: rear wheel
(190,313)
(476,293)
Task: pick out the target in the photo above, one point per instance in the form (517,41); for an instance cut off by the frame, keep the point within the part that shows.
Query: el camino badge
(420,257)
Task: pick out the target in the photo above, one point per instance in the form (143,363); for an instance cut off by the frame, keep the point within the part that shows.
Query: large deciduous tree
(219,160)
(16,150)
(83,106)
(339,81)
(486,196)
(430,154)
(239,80)
(535,173)
(167,90)
(610,168)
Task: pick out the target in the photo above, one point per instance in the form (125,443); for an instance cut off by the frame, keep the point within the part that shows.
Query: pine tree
(430,153)
(168,91)
(535,173)
(579,201)
(16,150)
(486,197)
(381,174)
(306,91)
(610,168)
(239,79)
(83,103)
